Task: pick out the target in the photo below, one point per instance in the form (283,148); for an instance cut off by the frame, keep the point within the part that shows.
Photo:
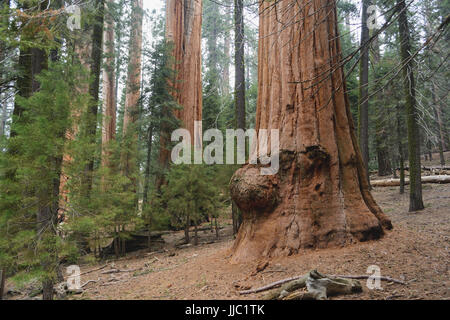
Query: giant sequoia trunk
(239,66)
(320,195)
(183,32)
(363,105)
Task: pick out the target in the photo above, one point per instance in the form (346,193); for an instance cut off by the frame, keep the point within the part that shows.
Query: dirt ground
(416,251)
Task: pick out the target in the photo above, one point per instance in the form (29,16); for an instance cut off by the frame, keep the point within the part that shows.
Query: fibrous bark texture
(320,195)
(409,87)
(133,91)
(109,83)
(183,32)
(363,105)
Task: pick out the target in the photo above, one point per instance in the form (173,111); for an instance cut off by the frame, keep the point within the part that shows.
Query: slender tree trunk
(400,149)
(217,227)
(320,196)
(363,105)
(148,163)
(2,282)
(381,122)
(23,85)
(94,86)
(4,4)
(195,234)
(429,147)
(186,228)
(4,113)
(129,164)
(239,82)
(226,67)
(441,127)
(109,84)
(118,59)
(415,192)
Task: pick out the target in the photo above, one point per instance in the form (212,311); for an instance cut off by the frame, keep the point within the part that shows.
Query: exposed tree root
(318,286)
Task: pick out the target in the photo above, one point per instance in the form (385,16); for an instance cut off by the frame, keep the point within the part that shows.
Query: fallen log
(396,182)
(436,168)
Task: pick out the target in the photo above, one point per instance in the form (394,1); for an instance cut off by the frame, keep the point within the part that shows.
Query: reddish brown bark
(133,85)
(82,47)
(109,84)
(183,32)
(320,196)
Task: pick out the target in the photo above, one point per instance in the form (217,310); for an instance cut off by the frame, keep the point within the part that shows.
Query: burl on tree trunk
(320,195)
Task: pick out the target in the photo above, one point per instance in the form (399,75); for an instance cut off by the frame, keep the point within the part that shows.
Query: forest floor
(415,251)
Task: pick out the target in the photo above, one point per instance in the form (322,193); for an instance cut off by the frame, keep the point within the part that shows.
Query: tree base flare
(303,206)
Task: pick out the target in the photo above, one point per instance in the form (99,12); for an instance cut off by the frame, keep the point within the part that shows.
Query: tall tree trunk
(239,86)
(239,82)
(183,33)
(4,115)
(82,49)
(400,148)
(94,86)
(320,196)
(226,67)
(2,282)
(440,123)
(415,192)
(148,163)
(4,4)
(133,91)
(186,228)
(109,84)
(363,105)
(381,122)
(195,234)
(436,103)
